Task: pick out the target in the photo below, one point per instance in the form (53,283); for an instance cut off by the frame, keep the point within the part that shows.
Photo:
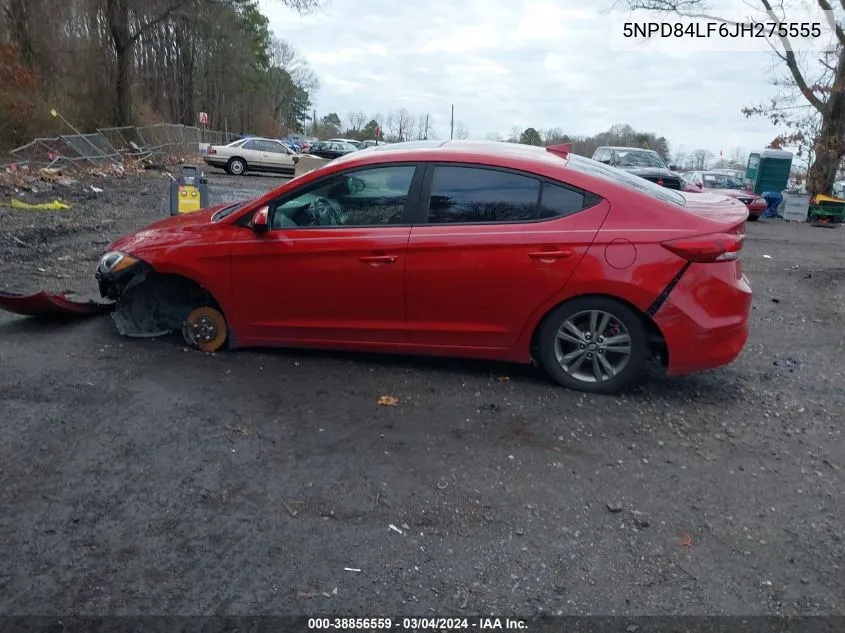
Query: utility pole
(426,127)
(452,125)
(315,123)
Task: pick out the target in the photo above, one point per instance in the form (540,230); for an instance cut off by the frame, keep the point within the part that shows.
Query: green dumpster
(768,170)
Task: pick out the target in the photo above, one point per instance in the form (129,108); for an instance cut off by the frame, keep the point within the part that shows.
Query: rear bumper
(215,161)
(705,319)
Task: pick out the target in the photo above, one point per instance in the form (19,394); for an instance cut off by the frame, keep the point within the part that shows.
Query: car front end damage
(151,304)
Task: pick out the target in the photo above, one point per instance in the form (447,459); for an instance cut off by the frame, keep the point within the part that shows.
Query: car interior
(375,198)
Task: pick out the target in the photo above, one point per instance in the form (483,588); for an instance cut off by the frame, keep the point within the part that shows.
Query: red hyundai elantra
(485,250)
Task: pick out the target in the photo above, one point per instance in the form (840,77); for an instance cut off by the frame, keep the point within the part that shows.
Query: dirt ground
(137,476)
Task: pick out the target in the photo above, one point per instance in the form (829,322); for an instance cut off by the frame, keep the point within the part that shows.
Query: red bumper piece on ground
(50,303)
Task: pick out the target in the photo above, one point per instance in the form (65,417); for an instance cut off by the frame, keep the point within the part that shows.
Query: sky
(506,63)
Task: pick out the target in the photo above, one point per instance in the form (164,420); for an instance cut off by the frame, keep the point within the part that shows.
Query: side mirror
(673,167)
(260,222)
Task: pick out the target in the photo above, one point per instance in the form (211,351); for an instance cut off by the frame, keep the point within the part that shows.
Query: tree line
(402,125)
(124,62)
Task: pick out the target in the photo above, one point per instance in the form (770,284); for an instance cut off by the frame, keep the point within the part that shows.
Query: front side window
(470,194)
(365,197)
(272,147)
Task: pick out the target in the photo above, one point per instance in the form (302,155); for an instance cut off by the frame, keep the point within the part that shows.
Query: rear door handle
(550,254)
(378,259)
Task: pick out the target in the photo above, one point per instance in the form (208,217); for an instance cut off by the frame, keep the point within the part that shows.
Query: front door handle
(378,259)
(550,254)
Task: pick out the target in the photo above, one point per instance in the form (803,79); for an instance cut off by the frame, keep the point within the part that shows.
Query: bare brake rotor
(205,328)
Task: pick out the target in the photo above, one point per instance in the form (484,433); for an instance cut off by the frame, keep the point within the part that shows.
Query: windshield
(722,181)
(621,177)
(639,158)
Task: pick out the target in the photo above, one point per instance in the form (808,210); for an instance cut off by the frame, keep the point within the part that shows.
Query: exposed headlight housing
(115,261)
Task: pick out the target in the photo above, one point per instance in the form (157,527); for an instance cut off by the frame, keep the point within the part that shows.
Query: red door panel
(321,284)
(477,285)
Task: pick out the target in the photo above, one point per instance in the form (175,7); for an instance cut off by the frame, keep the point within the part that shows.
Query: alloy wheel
(593,346)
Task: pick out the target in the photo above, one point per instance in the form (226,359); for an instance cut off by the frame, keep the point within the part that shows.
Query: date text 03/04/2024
(416,624)
(761,30)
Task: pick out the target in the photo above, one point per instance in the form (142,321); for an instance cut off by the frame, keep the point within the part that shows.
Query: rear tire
(753,218)
(236,167)
(593,344)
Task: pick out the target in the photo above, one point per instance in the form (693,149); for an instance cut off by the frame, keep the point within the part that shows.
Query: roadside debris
(388,401)
(55,205)
(767,257)
(686,541)
(351,569)
(614,507)
(396,529)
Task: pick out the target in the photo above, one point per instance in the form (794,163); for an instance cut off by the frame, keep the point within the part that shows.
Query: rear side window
(470,194)
(557,201)
(479,194)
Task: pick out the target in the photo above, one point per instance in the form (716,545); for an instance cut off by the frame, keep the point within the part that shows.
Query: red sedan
(485,250)
(726,184)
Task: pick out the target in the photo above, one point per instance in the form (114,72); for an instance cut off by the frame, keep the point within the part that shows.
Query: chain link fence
(114,144)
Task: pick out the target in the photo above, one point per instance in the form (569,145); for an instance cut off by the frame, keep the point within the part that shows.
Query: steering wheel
(325,212)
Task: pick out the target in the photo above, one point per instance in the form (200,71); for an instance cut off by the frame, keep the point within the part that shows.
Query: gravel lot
(136,476)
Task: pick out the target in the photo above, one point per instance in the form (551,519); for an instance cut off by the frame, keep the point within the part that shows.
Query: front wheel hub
(205,328)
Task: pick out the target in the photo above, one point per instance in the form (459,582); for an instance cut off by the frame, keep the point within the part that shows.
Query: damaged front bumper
(45,303)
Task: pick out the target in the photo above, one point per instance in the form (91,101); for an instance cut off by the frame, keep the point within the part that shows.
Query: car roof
(459,151)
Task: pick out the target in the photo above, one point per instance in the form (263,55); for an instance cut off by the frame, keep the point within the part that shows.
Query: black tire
(236,166)
(623,315)
(753,218)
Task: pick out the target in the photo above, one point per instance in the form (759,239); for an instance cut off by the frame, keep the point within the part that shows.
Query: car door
(493,245)
(251,153)
(331,269)
(276,157)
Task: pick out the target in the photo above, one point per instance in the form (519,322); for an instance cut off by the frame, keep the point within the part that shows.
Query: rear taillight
(716,247)
(660,182)
(211,150)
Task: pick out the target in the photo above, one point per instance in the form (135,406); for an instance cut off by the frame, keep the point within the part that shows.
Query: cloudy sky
(506,63)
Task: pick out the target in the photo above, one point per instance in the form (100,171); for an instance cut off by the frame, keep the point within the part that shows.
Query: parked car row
(258,154)
(649,165)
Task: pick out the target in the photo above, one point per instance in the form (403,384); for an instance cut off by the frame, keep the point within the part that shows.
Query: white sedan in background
(252,154)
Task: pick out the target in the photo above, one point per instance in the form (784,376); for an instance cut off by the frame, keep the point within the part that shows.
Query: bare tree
(355,121)
(494,136)
(405,124)
(700,159)
(516,132)
(811,84)
(461,133)
(738,157)
(390,126)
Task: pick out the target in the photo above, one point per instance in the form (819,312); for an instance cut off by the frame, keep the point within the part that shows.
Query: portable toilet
(768,170)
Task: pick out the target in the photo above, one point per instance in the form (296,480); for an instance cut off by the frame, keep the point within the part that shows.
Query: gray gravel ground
(136,476)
